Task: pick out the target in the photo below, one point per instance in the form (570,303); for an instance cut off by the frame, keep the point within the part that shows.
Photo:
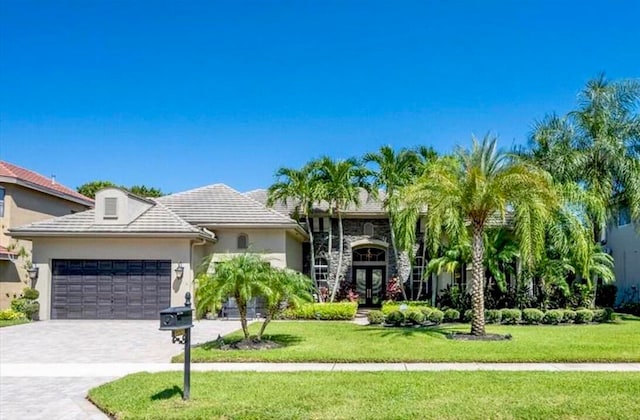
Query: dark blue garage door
(110,289)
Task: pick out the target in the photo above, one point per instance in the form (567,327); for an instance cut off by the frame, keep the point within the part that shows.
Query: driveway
(79,342)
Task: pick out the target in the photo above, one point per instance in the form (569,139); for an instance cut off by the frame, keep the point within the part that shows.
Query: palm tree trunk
(268,317)
(312,266)
(396,255)
(330,256)
(242,309)
(340,251)
(424,256)
(477,285)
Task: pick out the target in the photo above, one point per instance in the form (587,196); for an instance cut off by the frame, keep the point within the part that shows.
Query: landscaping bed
(365,395)
(335,341)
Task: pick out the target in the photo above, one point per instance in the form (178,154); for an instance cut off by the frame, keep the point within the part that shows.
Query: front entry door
(369,285)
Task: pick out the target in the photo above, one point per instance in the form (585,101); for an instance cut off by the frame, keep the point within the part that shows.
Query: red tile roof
(29,177)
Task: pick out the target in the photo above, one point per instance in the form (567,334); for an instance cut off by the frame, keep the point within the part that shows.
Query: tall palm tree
(341,182)
(462,192)
(241,277)
(300,186)
(394,171)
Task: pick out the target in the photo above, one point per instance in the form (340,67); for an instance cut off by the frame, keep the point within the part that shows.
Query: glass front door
(369,285)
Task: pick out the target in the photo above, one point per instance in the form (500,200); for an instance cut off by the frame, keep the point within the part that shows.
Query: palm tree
(300,186)
(394,171)
(284,287)
(241,277)
(340,184)
(462,192)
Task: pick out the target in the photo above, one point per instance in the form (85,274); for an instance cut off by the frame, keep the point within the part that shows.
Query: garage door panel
(110,289)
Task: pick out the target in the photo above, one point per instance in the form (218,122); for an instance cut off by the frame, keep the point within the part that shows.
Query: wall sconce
(33,273)
(179,271)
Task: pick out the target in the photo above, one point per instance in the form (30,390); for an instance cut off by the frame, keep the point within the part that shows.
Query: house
(132,256)
(27,197)
(623,243)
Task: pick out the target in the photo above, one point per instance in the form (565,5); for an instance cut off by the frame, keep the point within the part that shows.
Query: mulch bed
(251,344)
(471,337)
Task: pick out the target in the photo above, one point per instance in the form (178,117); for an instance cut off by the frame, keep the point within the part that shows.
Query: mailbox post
(179,320)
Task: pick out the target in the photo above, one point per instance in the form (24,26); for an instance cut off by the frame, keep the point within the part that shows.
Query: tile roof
(219,204)
(34,179)
(368,204)
(157,219)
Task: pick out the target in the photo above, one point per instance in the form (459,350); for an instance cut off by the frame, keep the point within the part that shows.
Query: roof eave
(45,190)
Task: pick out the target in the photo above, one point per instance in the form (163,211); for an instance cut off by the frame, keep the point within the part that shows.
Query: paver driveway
(54,342)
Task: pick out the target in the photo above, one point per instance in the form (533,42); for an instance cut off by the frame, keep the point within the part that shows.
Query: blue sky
(177,95)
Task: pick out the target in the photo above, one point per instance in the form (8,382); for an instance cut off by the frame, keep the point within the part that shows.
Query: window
(319,224)
(624,216)
(243,241)
(368,229)
(110,208)
(369,255)
(1,202)
(460,277)
(321,274)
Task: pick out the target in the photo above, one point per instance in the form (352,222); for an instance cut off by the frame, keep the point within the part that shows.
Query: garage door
(110,289)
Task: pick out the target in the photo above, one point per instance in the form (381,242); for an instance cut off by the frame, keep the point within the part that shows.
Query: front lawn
(10,322)
(325,341)
(388,395)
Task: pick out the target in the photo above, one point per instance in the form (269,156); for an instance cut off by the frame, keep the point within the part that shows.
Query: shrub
(583,316)
(30,294)
(10,315)
(511,316)
(436,316)
(468,315)
(415,316)
(493,316)
(375,317)
(395,318)
(553,317)
(568,315)
(390,306)
(31,309)
(630,308)
(532,315)
(426,311)
(603,315)
(451,315)
(19,304)
(339,311)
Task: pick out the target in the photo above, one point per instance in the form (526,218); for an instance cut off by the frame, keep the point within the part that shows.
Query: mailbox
(176,318)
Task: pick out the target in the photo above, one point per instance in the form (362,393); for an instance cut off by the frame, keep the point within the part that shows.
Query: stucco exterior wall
(293,253)
(271,243)
(624,242)
(23,206)
(48,249)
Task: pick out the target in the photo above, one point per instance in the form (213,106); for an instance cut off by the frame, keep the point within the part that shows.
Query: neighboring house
(132,256)
(623,242)
(27,197)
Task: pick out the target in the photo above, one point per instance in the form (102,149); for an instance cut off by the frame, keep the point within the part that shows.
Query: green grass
(388,395)
(325,341)
(8,323)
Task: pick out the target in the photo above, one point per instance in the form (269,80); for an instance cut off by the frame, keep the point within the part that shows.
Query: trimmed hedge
(395,318)
(493,316)
(553,317)
(436,316)
(388,307)
(568,315)
(375,317)
(584,316)
(511,316)
(451,315)
(30,294)
(426,311)
(340,311)
(532,315)
(415,316)
(468,315)
(603,315)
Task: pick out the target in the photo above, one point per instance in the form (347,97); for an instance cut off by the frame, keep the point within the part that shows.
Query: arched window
(369,255)
(243,241)
(368,229)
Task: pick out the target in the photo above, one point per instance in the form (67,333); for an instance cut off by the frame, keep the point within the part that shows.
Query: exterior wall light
(33,273)
(179,271)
